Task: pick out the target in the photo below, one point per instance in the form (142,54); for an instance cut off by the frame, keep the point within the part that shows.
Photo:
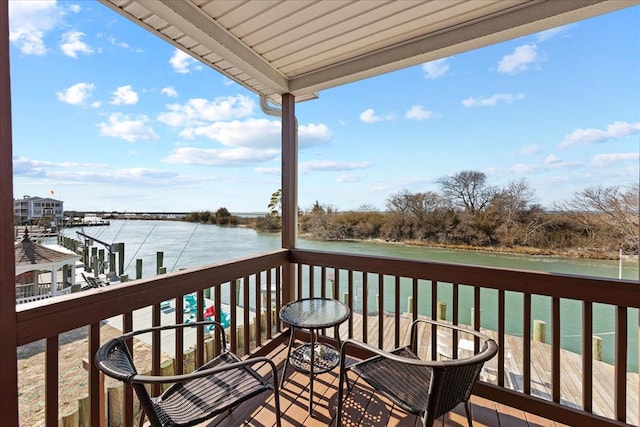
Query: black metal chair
(220,385)
(427,388)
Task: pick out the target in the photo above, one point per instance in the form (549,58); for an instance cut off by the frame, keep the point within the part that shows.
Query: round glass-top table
(313,357)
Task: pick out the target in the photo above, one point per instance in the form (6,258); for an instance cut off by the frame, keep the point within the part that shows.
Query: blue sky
(109,117)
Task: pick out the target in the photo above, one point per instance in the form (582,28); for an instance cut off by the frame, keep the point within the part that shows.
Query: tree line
(468,211)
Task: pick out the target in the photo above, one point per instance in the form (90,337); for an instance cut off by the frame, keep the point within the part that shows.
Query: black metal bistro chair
(219,385)
(427,388)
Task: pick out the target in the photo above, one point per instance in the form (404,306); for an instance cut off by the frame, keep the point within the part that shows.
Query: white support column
(54,281)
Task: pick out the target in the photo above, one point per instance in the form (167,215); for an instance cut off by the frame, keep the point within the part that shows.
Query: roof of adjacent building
(29,253)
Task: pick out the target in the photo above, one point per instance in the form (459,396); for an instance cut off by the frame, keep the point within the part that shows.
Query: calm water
(189,245)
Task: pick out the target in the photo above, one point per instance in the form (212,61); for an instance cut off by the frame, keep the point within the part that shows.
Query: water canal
(188,245)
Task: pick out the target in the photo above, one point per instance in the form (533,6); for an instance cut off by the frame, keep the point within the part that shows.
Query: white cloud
(121,126)
(76,94)
(417,112)
(530,149)
(220,157)
(124,95)
(524,168)
(254,133)
(615,131)
(435,69)
(493,100)
(181,62)
(268,171)
(369,116)
(329,165)
(170,91)
(554,162)
(552,159)
(313,135)
(75,8)
(29,167)
(244,142)
(257,133)
(349,177)
(520,60)
(602,160)
(72,44)
(116,42)
(29,21)
(199,111)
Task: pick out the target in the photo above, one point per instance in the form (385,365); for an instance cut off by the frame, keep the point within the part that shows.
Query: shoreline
(576,253)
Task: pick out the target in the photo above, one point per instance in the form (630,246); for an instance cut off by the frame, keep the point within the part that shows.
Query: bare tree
(511,204)
(467,190)
(610,212)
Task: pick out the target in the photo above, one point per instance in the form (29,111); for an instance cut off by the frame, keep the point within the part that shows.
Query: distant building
(37,210)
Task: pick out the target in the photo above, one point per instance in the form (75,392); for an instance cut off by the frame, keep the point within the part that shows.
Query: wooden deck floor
(362,408)
(379,412)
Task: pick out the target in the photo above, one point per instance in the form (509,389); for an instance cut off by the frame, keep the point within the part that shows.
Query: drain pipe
(272,111)
(268,109)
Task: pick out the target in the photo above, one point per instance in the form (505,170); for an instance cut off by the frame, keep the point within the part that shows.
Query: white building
(37,210)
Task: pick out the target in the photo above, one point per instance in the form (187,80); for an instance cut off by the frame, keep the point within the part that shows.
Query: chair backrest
(114,359)
(452,381)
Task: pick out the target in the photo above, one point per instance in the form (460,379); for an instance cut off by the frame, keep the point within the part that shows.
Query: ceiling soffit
(302,46)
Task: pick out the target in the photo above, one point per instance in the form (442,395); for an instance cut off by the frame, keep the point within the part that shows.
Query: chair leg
(467,409)
(286,361)
(276,396)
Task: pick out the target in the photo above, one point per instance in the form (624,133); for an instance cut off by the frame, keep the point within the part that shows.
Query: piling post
(83,411)
(539,331)
(159,261)
(166,369)
(138,268)
(101,260)
(85,257)
(409,305)
(120,259)
(473,317)
(112,263)
(162,270)
(189,361)
(597,347)
(95,265)
(345,298)
(70,420)
(115,413)
(441,311)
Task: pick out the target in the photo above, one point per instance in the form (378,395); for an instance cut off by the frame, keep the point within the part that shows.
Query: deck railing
(499,301)
(139,304)
(493,299)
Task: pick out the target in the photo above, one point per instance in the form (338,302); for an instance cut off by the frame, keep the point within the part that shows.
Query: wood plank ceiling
(274,47)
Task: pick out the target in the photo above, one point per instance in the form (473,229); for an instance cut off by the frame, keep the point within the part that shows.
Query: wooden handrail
(311,269)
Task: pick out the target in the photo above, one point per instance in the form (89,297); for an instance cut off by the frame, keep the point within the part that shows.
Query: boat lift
(111,247)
